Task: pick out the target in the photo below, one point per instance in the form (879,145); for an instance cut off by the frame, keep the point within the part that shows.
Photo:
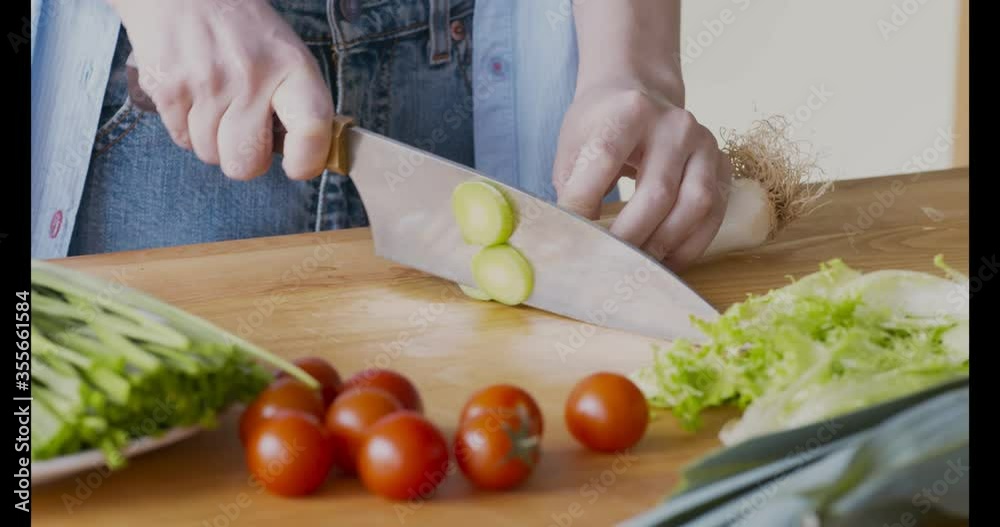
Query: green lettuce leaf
(830,343)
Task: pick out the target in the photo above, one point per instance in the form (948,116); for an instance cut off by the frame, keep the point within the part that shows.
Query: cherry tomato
(400,387)
(290,453)
(321,370)
(349,417)
(504,401)
(496,453)
(607,412)
(285,393)
(403,456)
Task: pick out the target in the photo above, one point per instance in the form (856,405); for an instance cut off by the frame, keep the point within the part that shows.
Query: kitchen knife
(581,270)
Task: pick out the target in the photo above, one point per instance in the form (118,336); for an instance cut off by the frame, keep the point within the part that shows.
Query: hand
(218,77)
(623,129)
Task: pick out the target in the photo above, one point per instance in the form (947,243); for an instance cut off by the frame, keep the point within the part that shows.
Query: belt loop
(439,44)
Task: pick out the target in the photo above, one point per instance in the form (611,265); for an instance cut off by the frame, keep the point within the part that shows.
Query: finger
(657,184)
(694,246)
(302,102)
(175,119)
(173,103)
(245,139)
(566,152)
(203,127)
(174,115)
(596,168)
(698,193)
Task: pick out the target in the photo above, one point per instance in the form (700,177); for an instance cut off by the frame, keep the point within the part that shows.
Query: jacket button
(55,224)
(457,30)
(497,67)
(350,9)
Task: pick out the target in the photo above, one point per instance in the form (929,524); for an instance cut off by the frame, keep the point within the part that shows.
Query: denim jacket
(523,69)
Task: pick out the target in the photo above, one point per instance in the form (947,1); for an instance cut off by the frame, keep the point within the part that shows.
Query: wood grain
(326,294)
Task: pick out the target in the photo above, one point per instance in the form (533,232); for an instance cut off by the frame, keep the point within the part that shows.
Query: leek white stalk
(775,181)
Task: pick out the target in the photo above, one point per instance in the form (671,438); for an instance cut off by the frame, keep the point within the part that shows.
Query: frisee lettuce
(827,344)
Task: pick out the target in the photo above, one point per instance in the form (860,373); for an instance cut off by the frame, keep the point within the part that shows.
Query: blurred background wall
(874,85)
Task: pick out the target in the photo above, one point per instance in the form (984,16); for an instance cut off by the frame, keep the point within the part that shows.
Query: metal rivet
(350,9)
(457,30)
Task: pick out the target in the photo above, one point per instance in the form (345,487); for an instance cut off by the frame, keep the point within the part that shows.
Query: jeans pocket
(118,115)
(122,122)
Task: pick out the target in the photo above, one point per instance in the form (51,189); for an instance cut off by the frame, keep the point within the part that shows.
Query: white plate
(43,472)
(49,470)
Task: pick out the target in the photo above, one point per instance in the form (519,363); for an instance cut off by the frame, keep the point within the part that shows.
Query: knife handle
(336,159)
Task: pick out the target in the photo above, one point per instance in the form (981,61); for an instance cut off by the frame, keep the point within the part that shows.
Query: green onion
(112,368)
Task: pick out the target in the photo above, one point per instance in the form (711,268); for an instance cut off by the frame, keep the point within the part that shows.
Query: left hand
(682,178)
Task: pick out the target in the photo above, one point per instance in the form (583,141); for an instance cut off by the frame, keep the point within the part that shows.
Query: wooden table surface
(326,294)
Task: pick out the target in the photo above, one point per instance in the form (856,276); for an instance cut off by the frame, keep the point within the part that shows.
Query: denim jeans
(399,67)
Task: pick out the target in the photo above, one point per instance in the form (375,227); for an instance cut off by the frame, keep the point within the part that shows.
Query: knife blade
(581,270)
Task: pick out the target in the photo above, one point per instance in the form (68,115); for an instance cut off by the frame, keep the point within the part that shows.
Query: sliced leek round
(474,293)
(503,274)
(482,212)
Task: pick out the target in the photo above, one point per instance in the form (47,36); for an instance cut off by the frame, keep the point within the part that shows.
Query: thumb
(303,104)
(591,168)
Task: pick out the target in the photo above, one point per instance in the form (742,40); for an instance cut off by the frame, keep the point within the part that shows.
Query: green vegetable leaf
(828,344)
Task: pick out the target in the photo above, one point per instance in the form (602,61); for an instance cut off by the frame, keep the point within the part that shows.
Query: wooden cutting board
(326,294)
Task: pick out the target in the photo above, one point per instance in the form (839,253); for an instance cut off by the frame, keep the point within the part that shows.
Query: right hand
(218,75)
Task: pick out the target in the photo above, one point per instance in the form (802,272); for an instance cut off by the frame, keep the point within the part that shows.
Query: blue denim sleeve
(525,63)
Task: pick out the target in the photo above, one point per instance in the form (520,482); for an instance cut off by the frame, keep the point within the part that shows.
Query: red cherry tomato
(399,386)
(349,417)
(403,457)
(607,412)
(496,453)
(324,373)
(504,401)
(285,393)
(290,454)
